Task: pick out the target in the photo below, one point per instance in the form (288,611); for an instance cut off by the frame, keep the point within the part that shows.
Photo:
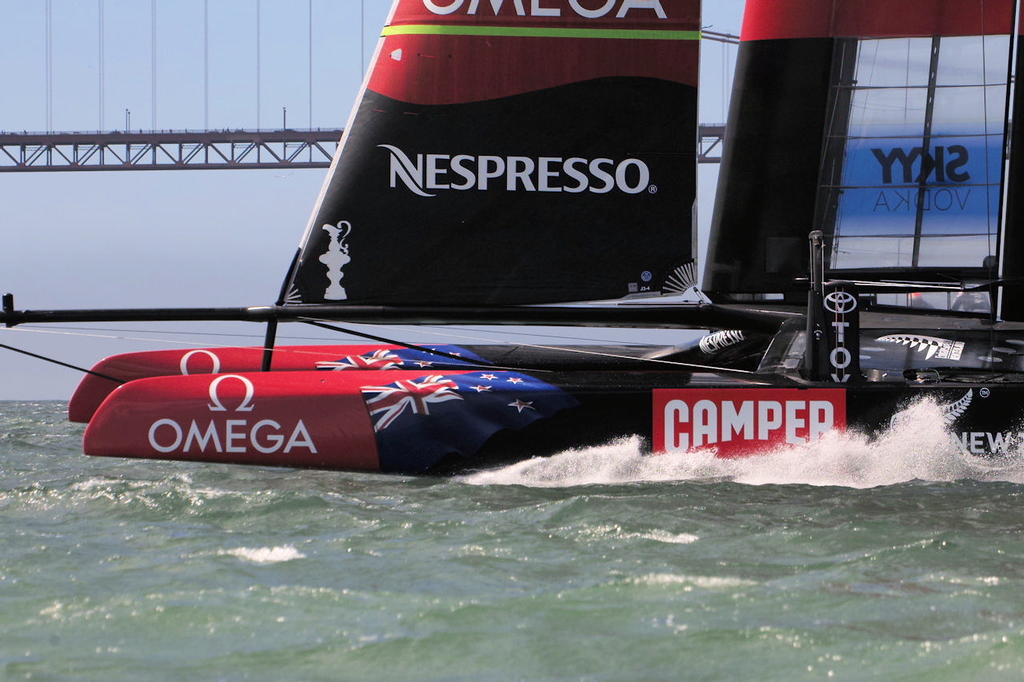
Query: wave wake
(918,447)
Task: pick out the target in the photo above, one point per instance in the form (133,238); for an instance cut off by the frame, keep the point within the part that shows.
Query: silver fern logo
(950,411)
(953,411)
(931,346)
(682,281)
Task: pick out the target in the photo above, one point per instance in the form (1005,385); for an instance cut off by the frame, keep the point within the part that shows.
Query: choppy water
(895,560)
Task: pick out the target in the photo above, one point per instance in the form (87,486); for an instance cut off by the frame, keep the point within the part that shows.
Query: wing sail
(511,152)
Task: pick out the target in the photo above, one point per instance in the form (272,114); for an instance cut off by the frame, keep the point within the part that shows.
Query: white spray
(917,447)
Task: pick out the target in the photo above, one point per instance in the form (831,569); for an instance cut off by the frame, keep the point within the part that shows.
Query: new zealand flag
(419,421)
(446,357)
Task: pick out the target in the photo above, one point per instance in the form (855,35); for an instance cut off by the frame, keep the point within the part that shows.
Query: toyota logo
(840,302)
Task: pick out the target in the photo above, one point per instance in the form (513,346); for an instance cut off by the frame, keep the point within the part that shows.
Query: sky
(113,239)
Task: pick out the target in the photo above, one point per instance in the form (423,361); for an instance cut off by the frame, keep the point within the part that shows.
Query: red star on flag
(521,405)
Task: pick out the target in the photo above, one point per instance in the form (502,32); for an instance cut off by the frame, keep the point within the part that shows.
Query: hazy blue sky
(182,238)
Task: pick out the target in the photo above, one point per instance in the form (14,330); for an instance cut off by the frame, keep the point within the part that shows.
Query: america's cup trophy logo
(335,259)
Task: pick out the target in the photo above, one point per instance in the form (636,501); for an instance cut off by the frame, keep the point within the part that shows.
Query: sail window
(913,153)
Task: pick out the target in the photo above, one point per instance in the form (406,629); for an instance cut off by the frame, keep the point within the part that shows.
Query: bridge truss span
(203,149)
(168,150)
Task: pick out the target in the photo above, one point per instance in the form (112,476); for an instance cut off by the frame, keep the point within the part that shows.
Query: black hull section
(983,420)
(981,411)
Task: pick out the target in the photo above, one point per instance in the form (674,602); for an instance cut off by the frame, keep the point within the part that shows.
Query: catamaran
(533,162)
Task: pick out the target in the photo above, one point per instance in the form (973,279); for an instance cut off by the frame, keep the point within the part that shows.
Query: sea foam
(916,447)
(265,555)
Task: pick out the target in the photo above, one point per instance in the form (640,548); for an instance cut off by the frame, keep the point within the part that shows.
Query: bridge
(204,149)
(205,146)
(168,149)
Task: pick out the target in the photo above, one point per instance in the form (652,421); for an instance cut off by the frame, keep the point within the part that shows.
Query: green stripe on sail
(539,32)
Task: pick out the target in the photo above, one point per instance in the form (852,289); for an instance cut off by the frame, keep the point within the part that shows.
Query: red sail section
(782,19)
(432,53)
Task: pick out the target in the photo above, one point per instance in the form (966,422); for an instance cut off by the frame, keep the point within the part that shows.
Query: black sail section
(578,192)
(1012,247)
(767,189)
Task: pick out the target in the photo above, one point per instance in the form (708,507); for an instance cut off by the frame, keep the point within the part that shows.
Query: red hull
(361,408)
(94,388)
(299,419)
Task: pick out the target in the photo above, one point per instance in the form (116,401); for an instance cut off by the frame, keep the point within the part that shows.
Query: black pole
(268,345)
(631,315)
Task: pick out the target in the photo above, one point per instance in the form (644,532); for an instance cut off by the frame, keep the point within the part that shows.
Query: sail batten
(540,32)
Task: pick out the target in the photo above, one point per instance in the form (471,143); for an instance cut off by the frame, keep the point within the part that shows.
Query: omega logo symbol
(218,406)
(840,302)
(185,358)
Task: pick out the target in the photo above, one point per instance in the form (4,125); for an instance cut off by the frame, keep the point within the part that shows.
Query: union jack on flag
(417,422)
(416,395)
(378,359)
(406,358)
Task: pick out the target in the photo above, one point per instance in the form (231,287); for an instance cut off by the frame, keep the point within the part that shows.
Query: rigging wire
(101,60)
(576,349)
(206,64)
(62,364)
(410,346)
(49,66)
(464,336)
(153,58)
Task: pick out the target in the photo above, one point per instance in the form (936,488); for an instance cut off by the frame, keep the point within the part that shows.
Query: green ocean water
(894,560)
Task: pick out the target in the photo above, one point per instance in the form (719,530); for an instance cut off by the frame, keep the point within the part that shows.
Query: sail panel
(906,156)
(510,153)
(461,73)
(530,47)
(764,207)
(922,154)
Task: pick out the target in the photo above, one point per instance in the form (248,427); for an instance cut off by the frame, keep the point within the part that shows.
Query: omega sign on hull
(224,435)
